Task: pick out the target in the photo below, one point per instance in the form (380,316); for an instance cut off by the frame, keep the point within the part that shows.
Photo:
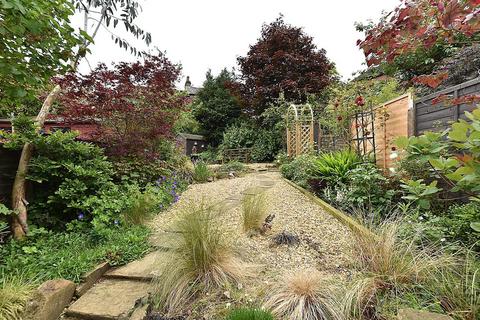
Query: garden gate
(364,138)
(300,137)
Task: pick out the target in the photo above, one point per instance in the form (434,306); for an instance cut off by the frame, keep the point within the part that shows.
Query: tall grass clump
(140,208)
(457,287)
(303,296)
(201,260)
(249,314)
(254,212)
(14,294)
(201,172)
(390,266)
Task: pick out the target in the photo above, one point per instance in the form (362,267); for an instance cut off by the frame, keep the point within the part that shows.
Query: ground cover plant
(14,294)
(202,260)
(201,172)
(249,314)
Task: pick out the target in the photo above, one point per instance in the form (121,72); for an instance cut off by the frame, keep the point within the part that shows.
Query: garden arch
(299,129)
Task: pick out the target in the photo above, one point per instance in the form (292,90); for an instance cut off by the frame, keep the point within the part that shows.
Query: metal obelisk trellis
(364,139)
(300,138)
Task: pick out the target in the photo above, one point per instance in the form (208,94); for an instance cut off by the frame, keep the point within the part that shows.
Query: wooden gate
(300,137)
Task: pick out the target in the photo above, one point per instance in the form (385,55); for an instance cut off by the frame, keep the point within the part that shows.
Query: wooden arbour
(300,130)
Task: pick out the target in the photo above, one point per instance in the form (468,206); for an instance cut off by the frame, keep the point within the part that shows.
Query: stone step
(110,299)
(142,270)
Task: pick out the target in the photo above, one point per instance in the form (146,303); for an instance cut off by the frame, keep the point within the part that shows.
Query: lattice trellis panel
(299,130)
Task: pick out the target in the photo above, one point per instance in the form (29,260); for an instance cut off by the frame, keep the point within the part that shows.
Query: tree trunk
(19,203)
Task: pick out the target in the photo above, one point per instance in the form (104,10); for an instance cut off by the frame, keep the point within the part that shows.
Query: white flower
(228,304)
(393,155)
(420,218)
(443,240)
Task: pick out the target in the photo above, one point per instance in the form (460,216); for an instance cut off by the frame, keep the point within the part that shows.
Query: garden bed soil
(324,242)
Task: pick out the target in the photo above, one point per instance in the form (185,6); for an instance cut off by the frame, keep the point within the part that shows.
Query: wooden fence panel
(437,117)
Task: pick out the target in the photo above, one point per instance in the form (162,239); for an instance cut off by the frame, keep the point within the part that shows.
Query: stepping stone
(143,269)
(109,299)
(412,314)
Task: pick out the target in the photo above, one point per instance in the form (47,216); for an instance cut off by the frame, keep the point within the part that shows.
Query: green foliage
(451,228)
(266,146)
(14,294)
(249,314)
(368,189)
(37,42)
(67,173)
(186,123)
(334,167)
(300,170)
(420,193)
(232,166)
(216,107)
(336,117)
(49,255)
(201,172)
(242,135)
(138,171)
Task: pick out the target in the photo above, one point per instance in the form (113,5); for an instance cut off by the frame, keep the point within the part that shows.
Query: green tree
(216,106)
(37,43)
(104,13)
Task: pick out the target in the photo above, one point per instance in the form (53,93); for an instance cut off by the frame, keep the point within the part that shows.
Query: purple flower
(175,199)
(81,216)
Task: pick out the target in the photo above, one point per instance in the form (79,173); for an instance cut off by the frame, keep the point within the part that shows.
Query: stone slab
(412,314)
(50,299)
(140,313)
(109,299)
(143,269)
(91,278)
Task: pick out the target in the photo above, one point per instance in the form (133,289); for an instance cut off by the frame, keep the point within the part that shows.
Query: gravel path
(324,242)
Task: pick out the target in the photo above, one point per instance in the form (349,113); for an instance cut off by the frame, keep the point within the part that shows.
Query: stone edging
(337,214)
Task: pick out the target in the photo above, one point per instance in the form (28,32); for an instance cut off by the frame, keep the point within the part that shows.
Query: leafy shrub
(254,212)
(201,260)
(232,166)
(333,167)
(249,314)
(302,296)
(420,193)
(266,146)
(201,172)
(367,189)
(265,143)
(138,171)
(140,208)
(48,255)
(300,170)
(241,135)
(14,294)
(451,228)
(67,172)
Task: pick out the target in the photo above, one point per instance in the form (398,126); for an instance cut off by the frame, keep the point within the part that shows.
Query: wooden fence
(392,119)
(242,155)
(437,117)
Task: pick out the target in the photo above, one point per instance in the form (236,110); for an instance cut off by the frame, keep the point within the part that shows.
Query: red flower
(359,101)
(394,149)
(339,118)
(336,104)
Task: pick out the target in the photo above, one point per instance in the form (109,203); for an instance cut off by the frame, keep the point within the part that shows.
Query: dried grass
(254,212)
(303,296)
(202,260)
(389,265)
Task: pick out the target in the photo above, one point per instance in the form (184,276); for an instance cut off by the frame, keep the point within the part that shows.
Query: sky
(211,34)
